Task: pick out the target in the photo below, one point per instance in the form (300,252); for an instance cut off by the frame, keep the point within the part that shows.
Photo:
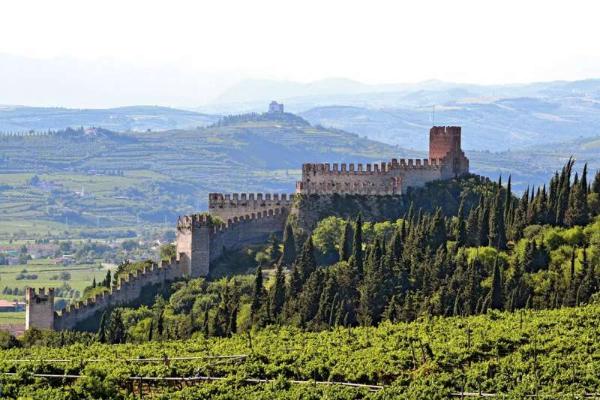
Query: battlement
(446,159)
(371,169)
(128,289)
(228,206)
(445,131)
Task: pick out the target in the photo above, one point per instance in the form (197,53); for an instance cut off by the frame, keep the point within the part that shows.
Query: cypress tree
(94,282)
(497,230)
(508,198)
(357,251)
(576,212)
(484,223)
(596,183)
(274,252)
(460,233)
(206,323)
(396,246)
(278,292)
(160,324)
(107,280)
(150,330)
(589,282)
(437,230)
(257,295)
(473,227)
(308,302)
(496,301)
(346,242)
(289,246)
(327,301)
(102,328)
(116,328)
(306,262)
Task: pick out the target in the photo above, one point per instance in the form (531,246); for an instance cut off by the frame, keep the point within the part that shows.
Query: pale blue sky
(211,44)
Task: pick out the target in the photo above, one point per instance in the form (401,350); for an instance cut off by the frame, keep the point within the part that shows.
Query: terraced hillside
(99,179)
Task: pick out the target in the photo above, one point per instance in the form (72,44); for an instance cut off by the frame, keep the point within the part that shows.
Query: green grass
(81,276)
(12,317)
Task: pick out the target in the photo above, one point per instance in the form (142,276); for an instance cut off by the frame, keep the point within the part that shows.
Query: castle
(275,108)
(238,220)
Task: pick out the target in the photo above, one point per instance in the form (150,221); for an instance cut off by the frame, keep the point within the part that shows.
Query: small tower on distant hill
(275,108)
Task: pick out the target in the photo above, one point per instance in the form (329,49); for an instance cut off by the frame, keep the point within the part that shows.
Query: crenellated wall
(446,160)
(228,206)
(129,290)
(371,179)
(40,306)
(201,239)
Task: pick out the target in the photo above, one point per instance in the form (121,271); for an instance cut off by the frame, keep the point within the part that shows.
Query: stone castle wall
(41,314)
(371,179)
(228,206)
(446,160)
(201,240)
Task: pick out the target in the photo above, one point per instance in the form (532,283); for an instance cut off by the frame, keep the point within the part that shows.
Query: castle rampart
(446,160)
(228,206)
(40,307)
(201,239)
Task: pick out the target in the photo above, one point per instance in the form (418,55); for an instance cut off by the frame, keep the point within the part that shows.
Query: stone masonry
(446,160)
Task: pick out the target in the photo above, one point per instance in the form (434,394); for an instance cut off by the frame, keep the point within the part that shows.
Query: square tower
(39,309)
(445,145)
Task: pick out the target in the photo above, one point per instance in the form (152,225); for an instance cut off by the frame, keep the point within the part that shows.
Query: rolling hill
(98,178)
(134,118)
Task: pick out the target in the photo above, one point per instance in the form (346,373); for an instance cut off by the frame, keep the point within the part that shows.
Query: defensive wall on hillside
(246,219)
(228,206)
(200,241)
(40,311)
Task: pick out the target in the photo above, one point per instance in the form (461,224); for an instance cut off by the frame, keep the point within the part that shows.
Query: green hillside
(95,179)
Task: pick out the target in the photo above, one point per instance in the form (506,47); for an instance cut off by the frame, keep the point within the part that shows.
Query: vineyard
(544,354)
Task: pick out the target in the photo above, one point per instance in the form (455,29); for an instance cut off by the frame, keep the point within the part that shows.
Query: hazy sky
(211,44)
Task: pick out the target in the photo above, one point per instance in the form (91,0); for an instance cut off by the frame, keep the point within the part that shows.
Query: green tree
(496,298)
(289,246)
(357,250)
(346,242)
(116,328)
(102,328)
(306,262)
(274,249)
(257,295)
(277,292)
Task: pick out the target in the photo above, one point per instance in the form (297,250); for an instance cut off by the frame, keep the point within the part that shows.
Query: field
(551,354)
(48,275)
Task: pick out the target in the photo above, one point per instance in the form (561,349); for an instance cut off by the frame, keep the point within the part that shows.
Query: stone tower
(39,311)
(193,244)
(275,108)
(445,144)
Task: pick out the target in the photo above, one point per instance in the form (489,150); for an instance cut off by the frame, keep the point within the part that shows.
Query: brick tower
(444,144)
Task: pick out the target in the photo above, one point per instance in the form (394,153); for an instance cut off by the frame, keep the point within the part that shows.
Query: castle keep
(446,160)
(237,220)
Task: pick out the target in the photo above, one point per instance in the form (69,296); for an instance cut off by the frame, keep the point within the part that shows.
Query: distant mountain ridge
(132,118)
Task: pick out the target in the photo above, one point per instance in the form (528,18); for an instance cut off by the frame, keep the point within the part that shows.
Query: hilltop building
(239,219)
(275,108)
